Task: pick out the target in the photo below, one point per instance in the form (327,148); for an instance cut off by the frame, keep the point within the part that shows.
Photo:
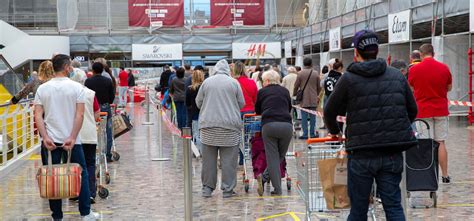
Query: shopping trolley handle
(324,140)
(251,115)
(103,114)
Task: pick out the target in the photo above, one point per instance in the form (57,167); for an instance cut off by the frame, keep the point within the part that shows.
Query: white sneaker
(91,217)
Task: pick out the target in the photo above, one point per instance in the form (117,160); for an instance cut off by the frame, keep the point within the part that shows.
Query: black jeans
(387,172)
(90,155)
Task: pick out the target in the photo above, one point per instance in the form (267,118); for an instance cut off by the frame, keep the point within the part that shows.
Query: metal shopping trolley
(251,123)
(103,175)
(309,185)
(253,149)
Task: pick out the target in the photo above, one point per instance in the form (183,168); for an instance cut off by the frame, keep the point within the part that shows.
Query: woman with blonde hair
(45,73)
(193,110)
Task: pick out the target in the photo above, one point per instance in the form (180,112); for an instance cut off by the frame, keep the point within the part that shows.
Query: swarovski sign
(157,52)
(399,27)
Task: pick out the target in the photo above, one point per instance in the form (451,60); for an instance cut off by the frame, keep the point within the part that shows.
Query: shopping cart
(103,175)
(115,154)
(309,185)
(250,125)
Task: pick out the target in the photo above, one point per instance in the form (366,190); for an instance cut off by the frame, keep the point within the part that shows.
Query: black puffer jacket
(379,106)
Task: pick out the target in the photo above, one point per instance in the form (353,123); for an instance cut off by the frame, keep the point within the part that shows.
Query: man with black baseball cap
(380,108)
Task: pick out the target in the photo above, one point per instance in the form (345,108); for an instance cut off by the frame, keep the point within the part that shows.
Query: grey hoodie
(220,99)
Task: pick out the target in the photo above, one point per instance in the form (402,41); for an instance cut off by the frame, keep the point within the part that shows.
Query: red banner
(156,13)
(237,12)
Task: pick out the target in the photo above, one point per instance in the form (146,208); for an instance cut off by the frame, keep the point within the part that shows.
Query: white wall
(20,47)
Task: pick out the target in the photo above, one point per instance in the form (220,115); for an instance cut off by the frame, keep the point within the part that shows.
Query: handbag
(59,181)
(121,124)
(299,93)
(333,176)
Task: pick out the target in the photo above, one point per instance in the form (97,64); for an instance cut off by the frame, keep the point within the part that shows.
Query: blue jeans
(181,113)
(106,108)
(77,156)
(312,122)
(387,172)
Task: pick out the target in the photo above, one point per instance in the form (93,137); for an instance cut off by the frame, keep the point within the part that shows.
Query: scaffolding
(444,23)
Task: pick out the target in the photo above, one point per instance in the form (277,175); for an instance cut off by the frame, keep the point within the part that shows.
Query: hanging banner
(335,39)
(288,49)
(237,12)
(471,15)
(157,52)
(399,27)
(268,50)
(156,13)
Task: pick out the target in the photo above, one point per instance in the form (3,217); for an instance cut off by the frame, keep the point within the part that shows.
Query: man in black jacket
(380,108)
(164,79)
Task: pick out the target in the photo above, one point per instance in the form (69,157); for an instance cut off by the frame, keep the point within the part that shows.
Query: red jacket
(250,91)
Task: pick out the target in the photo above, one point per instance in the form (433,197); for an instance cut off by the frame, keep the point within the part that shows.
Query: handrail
(9,103)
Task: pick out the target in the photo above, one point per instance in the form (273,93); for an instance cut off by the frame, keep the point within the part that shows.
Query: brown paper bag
(333,177)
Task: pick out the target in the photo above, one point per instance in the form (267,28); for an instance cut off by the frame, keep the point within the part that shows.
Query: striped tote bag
(59,181)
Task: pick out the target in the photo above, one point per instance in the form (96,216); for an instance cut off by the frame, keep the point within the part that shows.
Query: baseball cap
(366,40)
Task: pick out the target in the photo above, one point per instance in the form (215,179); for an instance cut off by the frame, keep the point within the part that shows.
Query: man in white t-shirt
(59,113)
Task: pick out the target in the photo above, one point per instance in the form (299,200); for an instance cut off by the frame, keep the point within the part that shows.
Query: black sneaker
(75,199)
(92,200)
(446,179)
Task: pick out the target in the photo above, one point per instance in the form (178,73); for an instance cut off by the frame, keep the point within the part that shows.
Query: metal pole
(188,184)
(160,140)
(403,187)
(147,103)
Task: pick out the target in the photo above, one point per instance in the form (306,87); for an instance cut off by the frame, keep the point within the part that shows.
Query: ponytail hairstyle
(337,64)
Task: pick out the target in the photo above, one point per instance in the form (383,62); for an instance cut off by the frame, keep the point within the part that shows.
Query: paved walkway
(142,189)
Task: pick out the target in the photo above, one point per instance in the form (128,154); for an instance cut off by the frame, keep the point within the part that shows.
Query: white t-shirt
(59,97)
(89,130)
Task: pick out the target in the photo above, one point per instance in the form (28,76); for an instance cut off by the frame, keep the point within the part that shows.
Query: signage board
(263,50)
(157,52)
(399,27)
(237,12)
(335,39)
(288,49)
(156,13)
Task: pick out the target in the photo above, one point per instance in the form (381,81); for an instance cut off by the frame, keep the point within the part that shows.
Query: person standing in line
(88,135)
(380,109)
(123,87)
(431,81)
(177,91)
(331,79)
(415,58)
(59,113)
(192,109)
(164,78)
(187,71)
(401,65)
(220,99)
(131,85)
(188,82)
(78,75)
(249,90)
(107,72)
(257,76)
(308,82)
(289,80)
(274,104)
(105,93)
(45,73)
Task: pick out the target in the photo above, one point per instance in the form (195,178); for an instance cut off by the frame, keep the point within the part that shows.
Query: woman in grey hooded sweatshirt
(220,99)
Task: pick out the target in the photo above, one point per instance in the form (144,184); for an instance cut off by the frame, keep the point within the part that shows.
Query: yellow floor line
(35,157)
(70,213)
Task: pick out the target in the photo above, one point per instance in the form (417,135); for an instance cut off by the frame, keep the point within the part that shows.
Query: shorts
(439,127)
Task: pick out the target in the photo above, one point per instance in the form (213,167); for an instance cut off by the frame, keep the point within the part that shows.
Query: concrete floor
(142,189)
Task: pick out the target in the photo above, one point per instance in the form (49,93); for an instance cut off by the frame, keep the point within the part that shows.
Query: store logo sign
(144,52)
(256,50)
(399,27)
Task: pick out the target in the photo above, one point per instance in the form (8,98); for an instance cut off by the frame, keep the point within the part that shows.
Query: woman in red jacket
(250,91)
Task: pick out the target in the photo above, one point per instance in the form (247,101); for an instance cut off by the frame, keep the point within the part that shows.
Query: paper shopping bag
(333,177)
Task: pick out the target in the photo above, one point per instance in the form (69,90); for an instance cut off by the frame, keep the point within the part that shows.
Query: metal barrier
(19,138)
